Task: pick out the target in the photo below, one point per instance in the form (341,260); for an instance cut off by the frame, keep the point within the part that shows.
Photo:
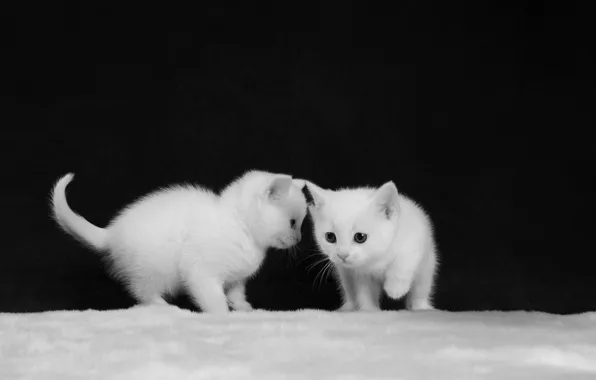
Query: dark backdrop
(481,111)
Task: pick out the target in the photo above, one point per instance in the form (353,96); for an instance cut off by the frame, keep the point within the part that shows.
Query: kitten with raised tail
(189,238)
(377,240)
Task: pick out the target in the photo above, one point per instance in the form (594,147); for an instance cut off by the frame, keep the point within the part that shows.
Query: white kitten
(186,236)
(377,239)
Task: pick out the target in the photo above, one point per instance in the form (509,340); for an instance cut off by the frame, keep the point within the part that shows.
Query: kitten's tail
(74,224)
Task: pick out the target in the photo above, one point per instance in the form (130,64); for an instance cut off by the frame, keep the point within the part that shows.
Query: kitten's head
(282,209)
(354,227)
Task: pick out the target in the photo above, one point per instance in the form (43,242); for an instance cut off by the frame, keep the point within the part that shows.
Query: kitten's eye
(360,238)
(330,237)
(292,223)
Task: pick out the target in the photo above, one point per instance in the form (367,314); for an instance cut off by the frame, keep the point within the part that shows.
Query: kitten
(187,236)
(377,239)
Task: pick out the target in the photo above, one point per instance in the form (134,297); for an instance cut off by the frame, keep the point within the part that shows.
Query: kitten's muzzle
(343,255)
(291,240)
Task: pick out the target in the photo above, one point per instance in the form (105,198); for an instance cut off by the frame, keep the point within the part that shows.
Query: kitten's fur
(187,236)
(398,256)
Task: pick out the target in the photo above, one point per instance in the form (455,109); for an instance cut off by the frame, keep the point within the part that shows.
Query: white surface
(160,342)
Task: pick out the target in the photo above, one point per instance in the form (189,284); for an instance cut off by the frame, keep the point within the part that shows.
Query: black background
(481,111)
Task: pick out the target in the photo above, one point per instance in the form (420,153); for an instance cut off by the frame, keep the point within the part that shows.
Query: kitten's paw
(347,307)
(420,305)
(396,289)
(155,301)
(369,308)
(242,306)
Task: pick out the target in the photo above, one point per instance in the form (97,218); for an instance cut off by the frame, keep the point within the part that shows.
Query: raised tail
(71,222)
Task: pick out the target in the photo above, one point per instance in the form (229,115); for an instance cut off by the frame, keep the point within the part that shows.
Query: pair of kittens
(210,244)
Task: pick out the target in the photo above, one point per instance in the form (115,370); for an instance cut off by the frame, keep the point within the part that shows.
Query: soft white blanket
(170,343)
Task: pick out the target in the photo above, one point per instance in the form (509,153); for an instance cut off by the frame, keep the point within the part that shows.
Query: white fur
(398,256)
(187,236)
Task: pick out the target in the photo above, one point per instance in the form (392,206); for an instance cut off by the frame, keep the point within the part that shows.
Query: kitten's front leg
(420,297)
(396,287)
(399,276)
(368,293)
(237,297)
(347,289)
(207,291)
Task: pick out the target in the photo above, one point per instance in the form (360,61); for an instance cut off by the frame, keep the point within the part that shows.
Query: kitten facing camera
(377,240)
(188,237)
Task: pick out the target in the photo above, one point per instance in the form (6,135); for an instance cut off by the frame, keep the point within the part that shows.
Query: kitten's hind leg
(237,297)
(207,292)
(347,287)
(147,293)
(420,296)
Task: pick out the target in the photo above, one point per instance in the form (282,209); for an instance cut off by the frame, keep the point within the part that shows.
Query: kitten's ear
(386,199)
(279,187)
(316,193)
(299,183)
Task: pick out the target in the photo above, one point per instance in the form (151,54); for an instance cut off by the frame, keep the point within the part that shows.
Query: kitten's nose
(292,239)
(343,255)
